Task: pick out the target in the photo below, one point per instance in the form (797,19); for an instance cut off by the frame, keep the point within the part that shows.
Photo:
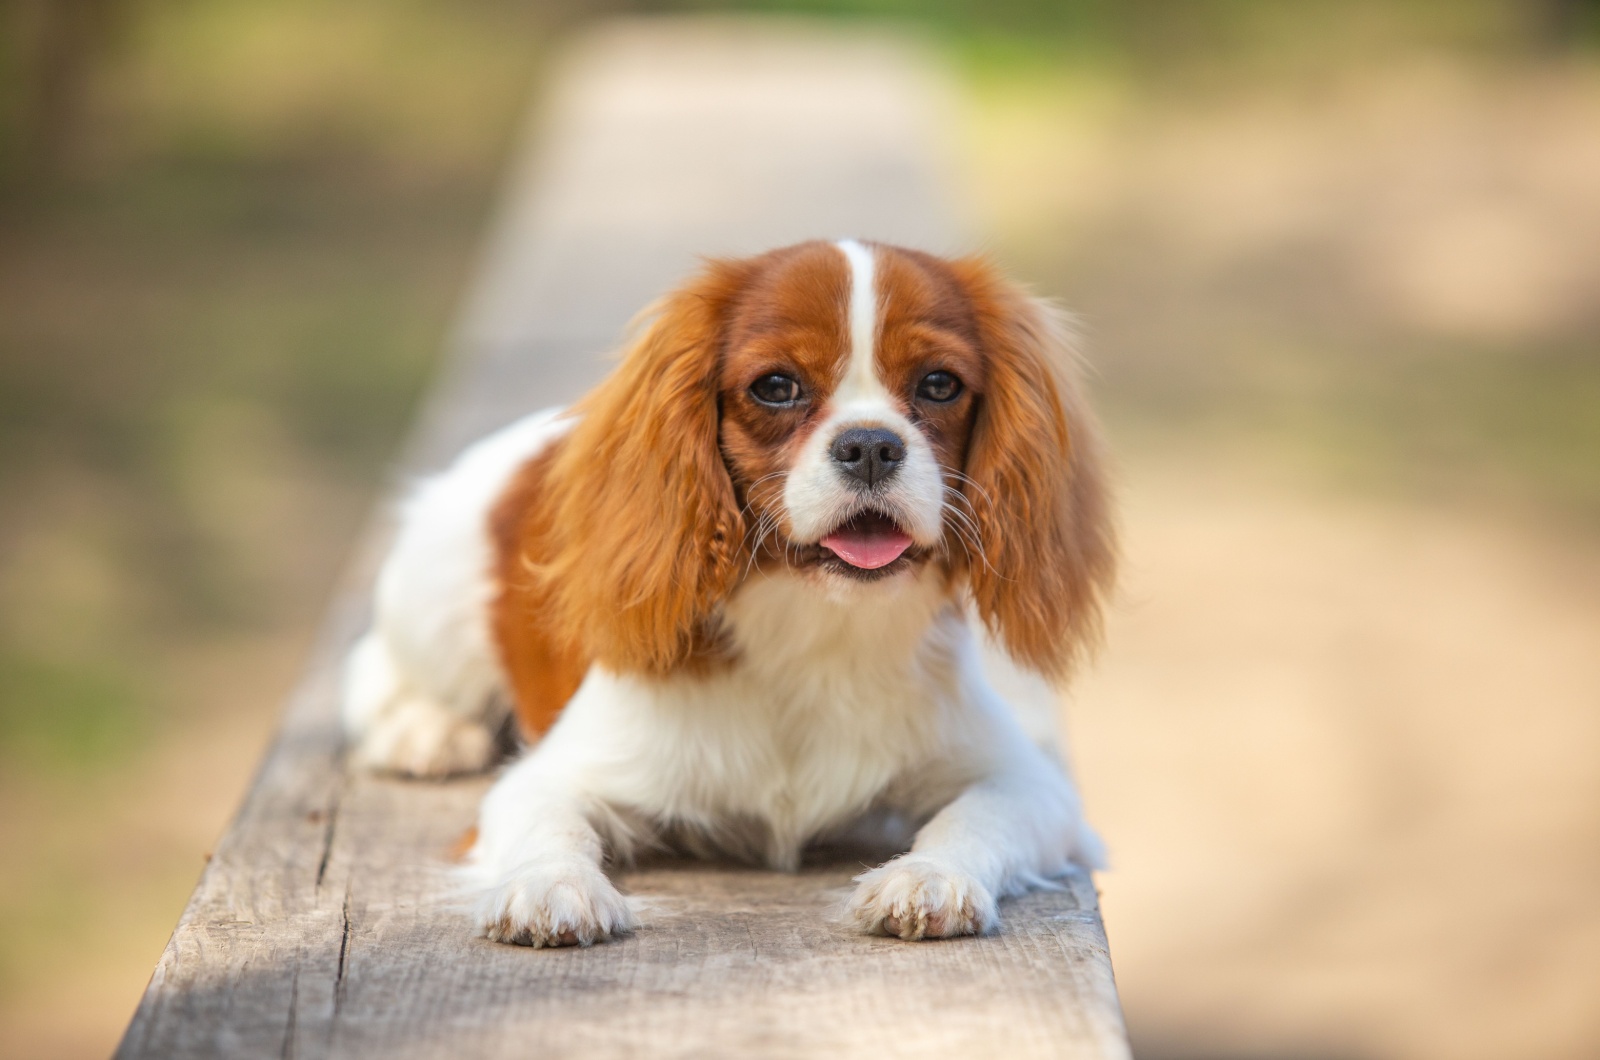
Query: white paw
(914,897)
(560,903)
(418,738)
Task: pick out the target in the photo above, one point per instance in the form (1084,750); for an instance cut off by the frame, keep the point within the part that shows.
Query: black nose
(870,454)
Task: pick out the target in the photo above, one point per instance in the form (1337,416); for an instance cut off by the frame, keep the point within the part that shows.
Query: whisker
(959,521)
(966,547)
(755,527)
(969,517)
(750,490)
(765,526)
(961,477)
(964,519)
(951,491)
(965,522)
(967,532)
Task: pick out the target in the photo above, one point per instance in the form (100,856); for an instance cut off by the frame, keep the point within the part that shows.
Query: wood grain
(325,923)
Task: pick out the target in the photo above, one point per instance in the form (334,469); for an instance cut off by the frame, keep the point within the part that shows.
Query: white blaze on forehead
(860,380)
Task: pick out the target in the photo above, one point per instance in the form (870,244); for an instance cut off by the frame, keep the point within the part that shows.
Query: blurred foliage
(224,275)
(1182,37)
(1383,271)
(54,52)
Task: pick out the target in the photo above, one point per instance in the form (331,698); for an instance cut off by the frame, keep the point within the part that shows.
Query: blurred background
(1340,268)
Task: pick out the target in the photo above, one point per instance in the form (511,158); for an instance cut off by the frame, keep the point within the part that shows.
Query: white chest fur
(839,701)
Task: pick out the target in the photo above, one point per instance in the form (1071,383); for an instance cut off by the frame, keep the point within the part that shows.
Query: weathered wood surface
(324,925)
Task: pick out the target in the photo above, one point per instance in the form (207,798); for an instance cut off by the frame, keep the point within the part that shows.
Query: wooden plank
(325,926)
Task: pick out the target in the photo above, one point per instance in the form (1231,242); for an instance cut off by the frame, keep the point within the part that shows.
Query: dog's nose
(870,454)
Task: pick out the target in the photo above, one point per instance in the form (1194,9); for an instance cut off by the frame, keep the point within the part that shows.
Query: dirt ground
(1343,752)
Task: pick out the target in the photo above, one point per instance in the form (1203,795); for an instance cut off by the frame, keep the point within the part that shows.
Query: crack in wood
(331,819)
(286,1052)
(344,952)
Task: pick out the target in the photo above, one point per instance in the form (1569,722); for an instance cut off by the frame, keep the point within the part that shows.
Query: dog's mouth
(868,541)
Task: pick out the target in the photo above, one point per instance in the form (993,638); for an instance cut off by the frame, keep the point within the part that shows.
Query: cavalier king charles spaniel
(734,598)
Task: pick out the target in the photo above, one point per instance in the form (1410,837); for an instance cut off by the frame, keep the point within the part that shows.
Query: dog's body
(729,597)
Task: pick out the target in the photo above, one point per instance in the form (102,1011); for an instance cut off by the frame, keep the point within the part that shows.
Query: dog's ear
(1036,488)
(645,534)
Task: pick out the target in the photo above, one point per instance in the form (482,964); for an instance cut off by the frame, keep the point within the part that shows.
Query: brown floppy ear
(1037,489)
(644,533)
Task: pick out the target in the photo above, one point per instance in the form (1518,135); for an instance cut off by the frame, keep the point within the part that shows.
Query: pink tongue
(867,551)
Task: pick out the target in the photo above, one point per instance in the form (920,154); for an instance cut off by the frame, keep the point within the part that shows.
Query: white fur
(845,703)
(423,691)
(860,381)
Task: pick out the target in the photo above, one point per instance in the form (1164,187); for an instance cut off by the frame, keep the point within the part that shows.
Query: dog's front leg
(537,864)
(1011,830)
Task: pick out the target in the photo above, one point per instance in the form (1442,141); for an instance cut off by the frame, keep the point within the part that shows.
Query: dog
(734,598)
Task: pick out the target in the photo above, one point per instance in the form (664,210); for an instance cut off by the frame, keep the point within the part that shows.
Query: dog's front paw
(419,738)
(559,903)
(915,897)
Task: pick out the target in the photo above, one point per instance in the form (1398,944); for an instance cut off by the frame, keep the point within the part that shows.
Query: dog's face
(848,387)
(854,412)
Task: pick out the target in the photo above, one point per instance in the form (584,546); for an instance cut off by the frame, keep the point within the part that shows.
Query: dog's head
(853,412)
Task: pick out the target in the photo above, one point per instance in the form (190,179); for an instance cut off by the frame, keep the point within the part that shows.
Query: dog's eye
(939,386)
(775,389)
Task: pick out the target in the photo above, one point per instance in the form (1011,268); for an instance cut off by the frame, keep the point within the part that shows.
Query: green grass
(67,713)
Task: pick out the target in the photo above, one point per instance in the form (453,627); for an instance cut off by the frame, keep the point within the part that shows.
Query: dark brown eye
(775,389)
(939,386)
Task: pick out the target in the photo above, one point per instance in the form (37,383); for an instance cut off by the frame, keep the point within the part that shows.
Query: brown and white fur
(722,624)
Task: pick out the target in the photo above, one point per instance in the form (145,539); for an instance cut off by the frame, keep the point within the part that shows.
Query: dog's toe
(570,903)
(914,897)
(418,738)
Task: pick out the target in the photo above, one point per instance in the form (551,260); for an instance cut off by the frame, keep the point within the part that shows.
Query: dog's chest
(829,703)
(815,739)
(828,708)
